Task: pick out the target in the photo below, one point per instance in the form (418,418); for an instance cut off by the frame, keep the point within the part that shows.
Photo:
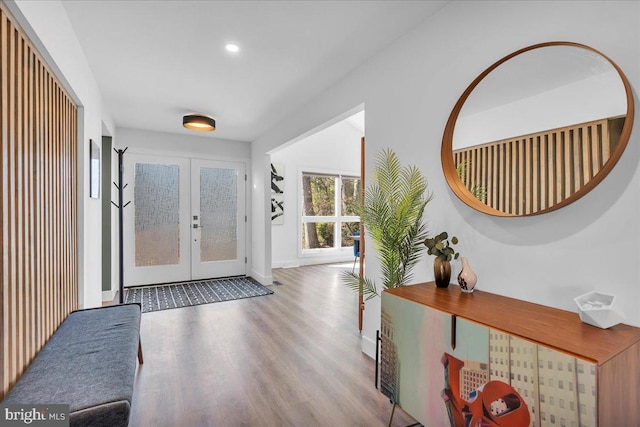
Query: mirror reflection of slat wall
(529,173)
(38,124)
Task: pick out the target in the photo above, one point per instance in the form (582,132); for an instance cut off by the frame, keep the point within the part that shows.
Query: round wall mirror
(537,130)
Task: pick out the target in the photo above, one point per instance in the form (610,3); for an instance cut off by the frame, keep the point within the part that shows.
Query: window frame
(337,219)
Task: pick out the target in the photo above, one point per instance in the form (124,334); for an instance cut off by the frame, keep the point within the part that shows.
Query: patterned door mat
(176,295)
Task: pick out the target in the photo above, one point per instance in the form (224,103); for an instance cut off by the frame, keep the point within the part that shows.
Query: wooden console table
(447,355)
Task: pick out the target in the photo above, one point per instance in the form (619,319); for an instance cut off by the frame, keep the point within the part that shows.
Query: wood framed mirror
(537,130)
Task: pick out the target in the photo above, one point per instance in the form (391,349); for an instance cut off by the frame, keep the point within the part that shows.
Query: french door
(186,220)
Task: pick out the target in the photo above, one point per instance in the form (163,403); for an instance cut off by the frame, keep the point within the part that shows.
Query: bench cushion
(89,364)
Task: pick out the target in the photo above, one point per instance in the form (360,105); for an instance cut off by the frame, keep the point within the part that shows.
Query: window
(328,210)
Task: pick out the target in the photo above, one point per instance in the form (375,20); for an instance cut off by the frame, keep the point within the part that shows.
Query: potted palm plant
(392,212)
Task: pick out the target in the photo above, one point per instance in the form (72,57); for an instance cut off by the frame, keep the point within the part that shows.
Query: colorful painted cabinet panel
(447,371)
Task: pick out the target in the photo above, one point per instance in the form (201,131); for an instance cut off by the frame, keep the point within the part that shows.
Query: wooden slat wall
(530,173)
(38,124)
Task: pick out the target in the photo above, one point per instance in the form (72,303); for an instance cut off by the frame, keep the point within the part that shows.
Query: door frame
(139,278)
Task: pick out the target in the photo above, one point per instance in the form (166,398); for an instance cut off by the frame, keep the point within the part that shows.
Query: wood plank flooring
(288,359)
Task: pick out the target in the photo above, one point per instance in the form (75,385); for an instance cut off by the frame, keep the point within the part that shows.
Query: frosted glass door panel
(156,223)
(218,219)
(157,214)
(218,214)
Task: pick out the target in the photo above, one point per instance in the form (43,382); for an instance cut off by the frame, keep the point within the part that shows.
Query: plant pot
(442,272)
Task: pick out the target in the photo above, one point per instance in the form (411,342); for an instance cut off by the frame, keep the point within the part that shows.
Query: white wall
(409,90)
(337,149)
(48,27)
(595,98)
(150,142)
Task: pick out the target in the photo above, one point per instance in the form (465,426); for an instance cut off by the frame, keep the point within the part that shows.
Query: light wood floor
(288,359)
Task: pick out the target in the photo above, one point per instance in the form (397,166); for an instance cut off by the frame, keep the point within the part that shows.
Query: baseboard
(285,264)
(369,346)
(314,260)
(108,296)
(264,280)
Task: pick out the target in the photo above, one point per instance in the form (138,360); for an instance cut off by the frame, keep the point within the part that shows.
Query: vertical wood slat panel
(558,164)
(492,188)
(486,168)
(535,195)
(520,197)
(514,176)
(11,250)
(567,163)
(19,211)
(500,176)
(544,188)
(38,126)
(40,276)
(528,181)
(595,149)
(606,142)
(29,69)
(577,182)
(586,155)
(533,172)
(4,120)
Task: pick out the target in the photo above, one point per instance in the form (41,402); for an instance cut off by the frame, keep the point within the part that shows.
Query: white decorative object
(596,308)
(467,279)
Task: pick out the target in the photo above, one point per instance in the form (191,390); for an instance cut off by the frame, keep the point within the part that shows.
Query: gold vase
(442,272)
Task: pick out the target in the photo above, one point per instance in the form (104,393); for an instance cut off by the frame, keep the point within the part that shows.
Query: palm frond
(357,283)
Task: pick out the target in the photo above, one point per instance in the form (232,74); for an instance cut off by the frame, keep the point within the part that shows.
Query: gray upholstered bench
(89,364)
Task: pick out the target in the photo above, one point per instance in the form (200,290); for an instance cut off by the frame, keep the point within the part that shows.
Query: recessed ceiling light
(232,47)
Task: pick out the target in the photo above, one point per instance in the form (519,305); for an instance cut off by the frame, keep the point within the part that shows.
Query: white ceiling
(158,60)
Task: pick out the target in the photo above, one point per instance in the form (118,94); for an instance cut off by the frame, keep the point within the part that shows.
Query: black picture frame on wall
(94,169)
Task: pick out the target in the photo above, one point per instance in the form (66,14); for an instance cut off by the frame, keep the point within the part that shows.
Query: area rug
(176,295)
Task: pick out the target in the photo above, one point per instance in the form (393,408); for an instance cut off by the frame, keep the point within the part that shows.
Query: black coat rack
(120,207)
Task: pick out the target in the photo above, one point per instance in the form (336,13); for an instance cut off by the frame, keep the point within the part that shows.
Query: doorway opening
(319,178)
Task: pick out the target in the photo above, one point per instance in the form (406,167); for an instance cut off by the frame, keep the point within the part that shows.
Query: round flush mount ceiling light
(199,122)
(232,47)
